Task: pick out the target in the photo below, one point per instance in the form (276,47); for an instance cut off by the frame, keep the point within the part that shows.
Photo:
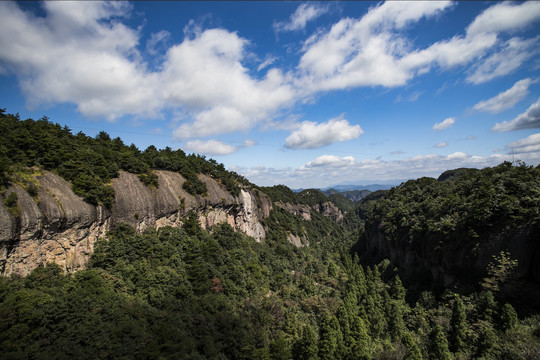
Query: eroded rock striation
(58,226)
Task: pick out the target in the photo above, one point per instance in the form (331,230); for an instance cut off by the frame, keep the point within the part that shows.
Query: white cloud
(102,72)
(269,60)
(248,143)
(304,13)
(505,16)
(374,50)
(157,42)
(326,173)
(514,53)
(527,145)
(506,99)
(445,124)
(441,145)
(329,161)
(311,135)
(530,119)
(363,52)
(210,147)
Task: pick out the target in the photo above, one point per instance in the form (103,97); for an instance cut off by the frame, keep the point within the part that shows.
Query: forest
(191,293)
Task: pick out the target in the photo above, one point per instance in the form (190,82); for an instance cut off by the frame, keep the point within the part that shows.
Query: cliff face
(457,262)
(59,226)
(327,209)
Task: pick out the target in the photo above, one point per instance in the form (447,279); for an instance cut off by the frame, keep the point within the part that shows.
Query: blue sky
(303,94)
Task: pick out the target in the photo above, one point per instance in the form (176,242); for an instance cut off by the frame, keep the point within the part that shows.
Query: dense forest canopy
(90,163)
(190,293)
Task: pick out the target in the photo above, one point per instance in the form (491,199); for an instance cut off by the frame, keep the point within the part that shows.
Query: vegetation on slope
(464,207)
(185,293)
(91,163)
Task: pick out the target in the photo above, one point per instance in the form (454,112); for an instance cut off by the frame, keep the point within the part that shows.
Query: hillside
(450,229)
(107,253)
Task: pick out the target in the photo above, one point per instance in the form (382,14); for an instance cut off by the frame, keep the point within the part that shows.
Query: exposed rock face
(296,209)
(60,227)
(330,210)
(327,209)
(448,263)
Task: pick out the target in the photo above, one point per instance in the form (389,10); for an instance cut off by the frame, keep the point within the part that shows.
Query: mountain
(353,195)
(371,187)
(112,252)
(448,231)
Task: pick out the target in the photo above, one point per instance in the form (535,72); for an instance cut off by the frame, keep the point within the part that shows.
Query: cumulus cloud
(441,145)
(311,135)
(363,52)
(103,73)
(210,147)
(527,145)
(304,13)
(506,99)
(204,77)
(530,119)
(374,50)
(445,124)
(329,161)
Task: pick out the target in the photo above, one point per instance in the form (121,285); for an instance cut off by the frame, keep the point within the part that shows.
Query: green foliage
(467,212)
(11,200)
(439,345)
(499,271)
(187,293)
(509,318)
(90,164)
(458,324)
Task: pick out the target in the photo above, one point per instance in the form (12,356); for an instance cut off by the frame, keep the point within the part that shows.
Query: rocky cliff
(57,225)
(445,263)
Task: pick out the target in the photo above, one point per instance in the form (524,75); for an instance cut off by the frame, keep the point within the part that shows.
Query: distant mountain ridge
(343,188)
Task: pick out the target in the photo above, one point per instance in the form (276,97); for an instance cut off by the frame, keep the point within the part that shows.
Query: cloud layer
(328,170)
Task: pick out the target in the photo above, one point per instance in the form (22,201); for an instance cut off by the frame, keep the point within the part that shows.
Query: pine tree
(458,325)
(396,325)
(439,345)
(306,347)
(413,351)
(509,319)
(487,340)
(328,336)
(360,339)
(488,306)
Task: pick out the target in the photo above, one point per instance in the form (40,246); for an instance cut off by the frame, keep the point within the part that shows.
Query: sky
(305,94)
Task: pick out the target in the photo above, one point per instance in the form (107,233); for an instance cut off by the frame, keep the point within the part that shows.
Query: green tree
(487,340)
(413,351)
(499,271)
(458,324)
(306,347)
(329,333)
(439,345)
(509,318)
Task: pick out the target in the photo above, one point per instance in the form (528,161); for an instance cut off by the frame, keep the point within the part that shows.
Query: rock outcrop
(456,262)
(58,226)
(327,209)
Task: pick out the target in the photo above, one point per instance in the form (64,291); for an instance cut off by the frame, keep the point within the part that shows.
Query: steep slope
(57,225)
(447,232)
